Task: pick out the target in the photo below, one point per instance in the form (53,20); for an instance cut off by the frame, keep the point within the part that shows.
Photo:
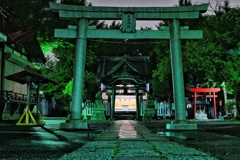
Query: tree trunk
(225,98)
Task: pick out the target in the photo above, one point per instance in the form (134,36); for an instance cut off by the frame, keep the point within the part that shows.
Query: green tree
(209,57)
(35,15)
(162,78)
(231,75)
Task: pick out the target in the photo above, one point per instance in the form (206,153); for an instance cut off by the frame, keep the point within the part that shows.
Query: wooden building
(18,48)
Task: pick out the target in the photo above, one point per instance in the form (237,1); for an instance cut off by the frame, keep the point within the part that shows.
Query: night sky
(151,3)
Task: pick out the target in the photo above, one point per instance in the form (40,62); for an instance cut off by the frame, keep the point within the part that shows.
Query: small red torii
(204,90)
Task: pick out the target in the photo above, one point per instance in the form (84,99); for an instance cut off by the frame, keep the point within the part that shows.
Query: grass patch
(161,155)
(116,149)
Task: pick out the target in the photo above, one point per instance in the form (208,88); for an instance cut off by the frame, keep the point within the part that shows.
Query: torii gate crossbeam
(129,15)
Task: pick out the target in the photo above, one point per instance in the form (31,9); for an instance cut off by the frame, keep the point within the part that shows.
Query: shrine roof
(136,70)
(21,77)
(24,41)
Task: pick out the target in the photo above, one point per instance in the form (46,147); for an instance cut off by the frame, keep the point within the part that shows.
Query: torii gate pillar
(76,121)
(180,122)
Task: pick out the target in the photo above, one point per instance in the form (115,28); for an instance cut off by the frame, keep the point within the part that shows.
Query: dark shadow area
(220,139)
(60,137)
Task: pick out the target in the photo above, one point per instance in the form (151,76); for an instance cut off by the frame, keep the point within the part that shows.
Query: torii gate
(128,15)
(204,90)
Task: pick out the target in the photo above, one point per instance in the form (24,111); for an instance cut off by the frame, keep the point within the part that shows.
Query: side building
(18,48)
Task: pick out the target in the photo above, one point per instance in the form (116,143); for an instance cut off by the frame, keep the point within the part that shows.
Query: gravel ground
(130,140)
(220,139)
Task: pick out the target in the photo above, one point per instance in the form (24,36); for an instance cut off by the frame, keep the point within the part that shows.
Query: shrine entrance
(124,81)
(125,107)
(128,15)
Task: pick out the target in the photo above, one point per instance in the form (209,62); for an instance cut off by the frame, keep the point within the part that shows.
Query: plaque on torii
(129,15)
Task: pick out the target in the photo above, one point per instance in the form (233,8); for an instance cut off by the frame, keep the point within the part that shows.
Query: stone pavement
(127,139)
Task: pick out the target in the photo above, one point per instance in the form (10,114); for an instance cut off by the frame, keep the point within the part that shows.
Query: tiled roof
(135,70)
(24,41)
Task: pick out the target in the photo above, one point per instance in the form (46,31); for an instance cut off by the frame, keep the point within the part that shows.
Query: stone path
(128,140)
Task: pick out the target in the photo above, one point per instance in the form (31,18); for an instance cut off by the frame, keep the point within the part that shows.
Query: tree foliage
(35,15)
(162,78)
(209,61)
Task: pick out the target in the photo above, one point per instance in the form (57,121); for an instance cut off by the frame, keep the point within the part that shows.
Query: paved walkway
(129,140)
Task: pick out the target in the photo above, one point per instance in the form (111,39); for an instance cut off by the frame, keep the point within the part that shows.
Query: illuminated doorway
(125,103)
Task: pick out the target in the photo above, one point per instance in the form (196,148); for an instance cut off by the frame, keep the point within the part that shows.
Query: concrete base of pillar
(181,127)
(74,125)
